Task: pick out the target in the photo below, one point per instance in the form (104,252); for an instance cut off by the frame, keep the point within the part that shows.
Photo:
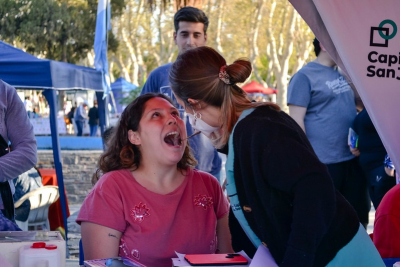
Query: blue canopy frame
(25,71)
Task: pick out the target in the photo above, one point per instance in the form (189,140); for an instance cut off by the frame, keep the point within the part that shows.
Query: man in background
(28,106)
(93,119)
(80,117)
(190,31)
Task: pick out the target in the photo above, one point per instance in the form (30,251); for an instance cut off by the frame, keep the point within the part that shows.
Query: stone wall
(78,168)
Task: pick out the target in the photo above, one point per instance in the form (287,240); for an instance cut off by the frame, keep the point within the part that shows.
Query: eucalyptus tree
(54,29)
(145,34)
(268,32)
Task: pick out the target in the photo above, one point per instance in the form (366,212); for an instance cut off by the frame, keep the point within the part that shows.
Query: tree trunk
(281,50)
(112,78)
(254,48)
(288,50)
(303,45)
(219,26)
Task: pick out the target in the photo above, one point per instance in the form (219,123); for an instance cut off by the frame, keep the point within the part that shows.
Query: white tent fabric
(361,36)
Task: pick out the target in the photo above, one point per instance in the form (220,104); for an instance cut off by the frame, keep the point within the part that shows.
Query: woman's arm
(224,236)
(15,127)
(99,242)
(298,114)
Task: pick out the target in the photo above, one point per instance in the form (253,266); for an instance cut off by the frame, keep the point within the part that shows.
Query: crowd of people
(80,116)
(35,106)
(77,117)
(84,116)
(291,184)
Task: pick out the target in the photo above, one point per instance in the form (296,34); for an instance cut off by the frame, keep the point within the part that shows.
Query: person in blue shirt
(190,32)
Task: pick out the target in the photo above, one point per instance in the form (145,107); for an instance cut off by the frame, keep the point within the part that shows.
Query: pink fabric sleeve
(221,204)
(104,205)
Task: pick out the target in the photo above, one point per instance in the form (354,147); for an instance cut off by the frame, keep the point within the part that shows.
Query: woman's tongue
(172,140)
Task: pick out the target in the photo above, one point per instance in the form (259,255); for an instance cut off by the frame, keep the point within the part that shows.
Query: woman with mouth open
(150,201)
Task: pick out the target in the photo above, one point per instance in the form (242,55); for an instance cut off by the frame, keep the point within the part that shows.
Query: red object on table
(49,177)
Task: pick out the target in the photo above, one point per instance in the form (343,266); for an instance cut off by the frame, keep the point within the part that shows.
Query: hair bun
(239,70)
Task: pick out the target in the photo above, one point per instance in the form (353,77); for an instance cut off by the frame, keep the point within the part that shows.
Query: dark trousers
(378,184)
(79,126)
(93,130)
(350,181)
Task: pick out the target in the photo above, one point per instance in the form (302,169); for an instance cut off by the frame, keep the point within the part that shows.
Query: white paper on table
(4,262)
(263,258)
(181,262)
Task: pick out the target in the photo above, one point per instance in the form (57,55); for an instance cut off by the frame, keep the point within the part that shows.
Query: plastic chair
(40,200)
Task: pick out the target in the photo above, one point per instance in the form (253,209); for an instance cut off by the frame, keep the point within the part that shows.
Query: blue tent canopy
(120,89)
(25,71)
(122,85)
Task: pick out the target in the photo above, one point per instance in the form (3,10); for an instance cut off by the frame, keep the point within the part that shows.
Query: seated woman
(150,202)
(280,193)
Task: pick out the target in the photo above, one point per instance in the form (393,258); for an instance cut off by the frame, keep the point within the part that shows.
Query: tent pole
(50,95)
(113,101)
(103,113)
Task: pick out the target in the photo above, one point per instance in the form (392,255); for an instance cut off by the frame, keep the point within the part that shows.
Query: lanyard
(231,187)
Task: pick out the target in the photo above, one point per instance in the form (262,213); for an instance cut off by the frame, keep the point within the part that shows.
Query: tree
(60,30)
(254,54)
(284,47)
(144,39)
(268,32)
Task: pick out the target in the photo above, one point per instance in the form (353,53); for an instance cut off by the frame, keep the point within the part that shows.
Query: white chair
(40,200)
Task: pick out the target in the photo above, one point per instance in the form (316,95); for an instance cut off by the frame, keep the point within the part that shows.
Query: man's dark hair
(317,47)
(190,14)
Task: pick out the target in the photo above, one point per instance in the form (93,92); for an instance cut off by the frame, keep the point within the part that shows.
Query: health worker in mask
(280,193)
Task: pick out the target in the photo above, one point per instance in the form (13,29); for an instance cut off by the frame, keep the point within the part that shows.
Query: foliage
(54,29)
(133,94)
(277,42)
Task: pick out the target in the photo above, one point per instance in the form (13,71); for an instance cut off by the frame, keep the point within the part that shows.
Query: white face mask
(199,125)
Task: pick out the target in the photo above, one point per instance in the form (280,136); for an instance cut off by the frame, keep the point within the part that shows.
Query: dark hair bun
(239,70)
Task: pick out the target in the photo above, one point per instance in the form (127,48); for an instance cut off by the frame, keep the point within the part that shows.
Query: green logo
(384,22)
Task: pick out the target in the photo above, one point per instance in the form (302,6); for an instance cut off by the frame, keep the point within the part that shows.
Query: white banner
(41,126)
(362,36)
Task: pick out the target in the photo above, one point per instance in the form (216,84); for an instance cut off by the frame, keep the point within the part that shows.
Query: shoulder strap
(3,146)
(8,201)
(231,187)
(5,189)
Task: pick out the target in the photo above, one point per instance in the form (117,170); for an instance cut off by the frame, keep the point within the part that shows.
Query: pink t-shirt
(153,226)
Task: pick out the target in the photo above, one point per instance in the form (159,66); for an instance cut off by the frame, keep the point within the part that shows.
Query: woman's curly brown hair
(122,154)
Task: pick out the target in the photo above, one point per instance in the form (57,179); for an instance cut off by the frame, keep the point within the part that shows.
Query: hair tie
(223,76)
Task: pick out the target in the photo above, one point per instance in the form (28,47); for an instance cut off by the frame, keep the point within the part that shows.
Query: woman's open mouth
(173,139)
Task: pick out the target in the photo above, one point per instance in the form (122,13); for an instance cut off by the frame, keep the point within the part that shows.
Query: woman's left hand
(355,151)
